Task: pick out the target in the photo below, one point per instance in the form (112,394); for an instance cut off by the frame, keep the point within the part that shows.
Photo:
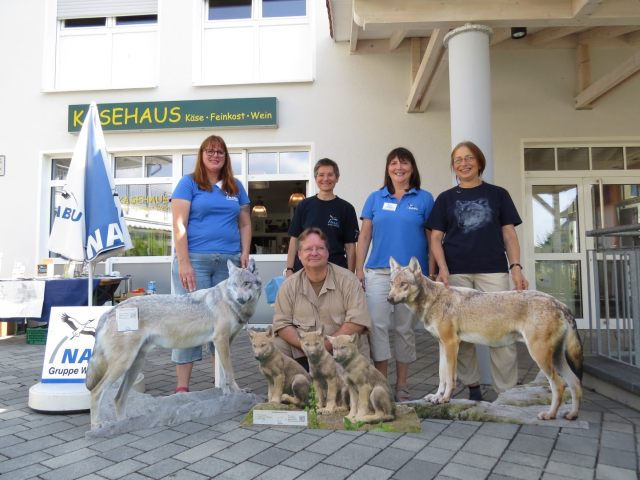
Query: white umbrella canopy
(89,223)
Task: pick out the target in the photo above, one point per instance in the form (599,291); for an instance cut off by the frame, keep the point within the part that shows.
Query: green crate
(37,336)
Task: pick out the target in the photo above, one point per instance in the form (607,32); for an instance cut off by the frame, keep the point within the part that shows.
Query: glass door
(558,213)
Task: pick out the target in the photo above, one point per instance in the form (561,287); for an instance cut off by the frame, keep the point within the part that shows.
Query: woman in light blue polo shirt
(211,224)
(393,219)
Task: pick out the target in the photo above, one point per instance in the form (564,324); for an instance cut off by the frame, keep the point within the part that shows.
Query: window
(236,9)
(259,41)
(615,157)
(144,185)
(103,44)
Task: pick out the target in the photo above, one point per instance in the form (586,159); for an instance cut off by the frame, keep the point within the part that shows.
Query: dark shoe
(475,394)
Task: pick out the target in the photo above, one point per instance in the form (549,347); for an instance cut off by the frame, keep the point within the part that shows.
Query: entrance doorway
(558,213)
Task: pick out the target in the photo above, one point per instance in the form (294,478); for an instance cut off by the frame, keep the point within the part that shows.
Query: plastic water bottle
(151,287)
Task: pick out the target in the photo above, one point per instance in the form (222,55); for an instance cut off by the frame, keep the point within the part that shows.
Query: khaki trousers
(504,360)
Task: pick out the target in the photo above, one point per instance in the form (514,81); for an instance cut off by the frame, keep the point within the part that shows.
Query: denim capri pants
(210,269)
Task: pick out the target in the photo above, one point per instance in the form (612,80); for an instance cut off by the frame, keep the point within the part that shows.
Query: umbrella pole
(90,297)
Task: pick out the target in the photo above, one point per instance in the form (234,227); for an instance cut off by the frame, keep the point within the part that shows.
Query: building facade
(285,86)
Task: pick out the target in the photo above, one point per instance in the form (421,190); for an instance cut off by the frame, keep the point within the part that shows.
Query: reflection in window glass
(555,219)
(146,210)
(236,163)
(158,166)
(85,22)
(561,279)
(539,159)
(188,164)
(607,158)
(60,168)
(137,20)
(621,207)
(263,163)
(633,158)
(294,162)
(284,8)
(573,158)
(128,167)
(229,9)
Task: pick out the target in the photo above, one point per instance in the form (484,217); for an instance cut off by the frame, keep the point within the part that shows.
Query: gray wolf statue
(215,314)
(287,381)
(331,390)
(495,319)
(370,397)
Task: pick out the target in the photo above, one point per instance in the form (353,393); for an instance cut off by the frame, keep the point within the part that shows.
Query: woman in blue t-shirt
(393,219)
(211,224)
(474,243)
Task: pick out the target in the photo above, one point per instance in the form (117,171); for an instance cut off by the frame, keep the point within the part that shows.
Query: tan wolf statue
(370,397)
(287,381)
(452,314)
(331,390)
(215,315)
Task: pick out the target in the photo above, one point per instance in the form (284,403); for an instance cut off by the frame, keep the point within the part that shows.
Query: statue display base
(66,397)
(519,405)
(144,411)
(406,420)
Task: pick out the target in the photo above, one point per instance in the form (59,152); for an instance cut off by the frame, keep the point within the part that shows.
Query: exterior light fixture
(518,32)
(296,197)
(259,210)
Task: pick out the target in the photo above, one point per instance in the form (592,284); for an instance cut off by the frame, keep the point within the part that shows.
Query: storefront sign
(222,113)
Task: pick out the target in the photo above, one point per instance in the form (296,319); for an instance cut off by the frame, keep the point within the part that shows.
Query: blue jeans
(210,269)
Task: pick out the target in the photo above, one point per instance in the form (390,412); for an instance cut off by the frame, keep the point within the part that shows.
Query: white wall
(353,112)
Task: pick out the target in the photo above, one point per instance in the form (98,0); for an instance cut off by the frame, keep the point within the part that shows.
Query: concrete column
(470,89)
(470,100)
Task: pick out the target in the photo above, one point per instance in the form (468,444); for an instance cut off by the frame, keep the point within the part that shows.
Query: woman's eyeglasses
(465,159)
(211,153)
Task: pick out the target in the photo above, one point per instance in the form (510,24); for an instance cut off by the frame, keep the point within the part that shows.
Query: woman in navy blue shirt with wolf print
(393,221)
(211,224)
(475,245)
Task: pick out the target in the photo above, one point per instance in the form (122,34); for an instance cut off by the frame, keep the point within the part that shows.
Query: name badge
(391,207)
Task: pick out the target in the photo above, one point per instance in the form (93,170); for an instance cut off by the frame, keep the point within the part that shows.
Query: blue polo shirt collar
(386,193)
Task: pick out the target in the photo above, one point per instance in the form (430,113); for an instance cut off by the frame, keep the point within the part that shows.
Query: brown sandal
(402,393)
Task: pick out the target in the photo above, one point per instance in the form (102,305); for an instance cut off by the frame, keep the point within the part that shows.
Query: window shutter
(105,8)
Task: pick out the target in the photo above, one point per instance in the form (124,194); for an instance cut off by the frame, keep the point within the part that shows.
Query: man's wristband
(515,265)
(288,268)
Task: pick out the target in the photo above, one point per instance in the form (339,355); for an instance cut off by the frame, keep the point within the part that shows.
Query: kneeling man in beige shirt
(320,295)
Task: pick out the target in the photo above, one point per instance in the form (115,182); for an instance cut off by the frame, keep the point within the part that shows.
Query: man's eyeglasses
(465,159)
(211,153)
(314,250)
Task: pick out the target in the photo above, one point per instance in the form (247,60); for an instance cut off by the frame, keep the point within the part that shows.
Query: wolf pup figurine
(453,314)
(287,381)
(369,393)
(171,321)
(331,390)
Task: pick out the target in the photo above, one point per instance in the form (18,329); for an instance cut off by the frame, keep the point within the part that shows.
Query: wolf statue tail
(573,351)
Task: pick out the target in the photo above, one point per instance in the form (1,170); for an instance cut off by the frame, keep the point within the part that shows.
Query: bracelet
(515,265)
(288,268)
(432,276)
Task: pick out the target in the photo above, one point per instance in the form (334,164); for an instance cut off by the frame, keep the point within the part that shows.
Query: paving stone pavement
(53,447)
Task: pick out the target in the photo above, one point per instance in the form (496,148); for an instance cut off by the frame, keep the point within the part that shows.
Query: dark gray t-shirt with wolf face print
(472,220)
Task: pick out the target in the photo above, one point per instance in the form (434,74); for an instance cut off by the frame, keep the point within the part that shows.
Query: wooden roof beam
(396,39)
(608,82)
(428,65)
(582,8)
(429,14)
(605,33)
(549,35)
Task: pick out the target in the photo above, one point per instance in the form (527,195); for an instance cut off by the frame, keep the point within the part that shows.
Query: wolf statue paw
(435,398)
(546,416)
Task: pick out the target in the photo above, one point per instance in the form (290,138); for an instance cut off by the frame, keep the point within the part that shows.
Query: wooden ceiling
(383,26)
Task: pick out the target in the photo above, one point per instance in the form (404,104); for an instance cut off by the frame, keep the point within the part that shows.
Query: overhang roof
(377,26)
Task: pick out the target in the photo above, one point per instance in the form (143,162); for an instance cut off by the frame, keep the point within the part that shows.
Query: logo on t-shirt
(333,221)
(411,206)
(231,197)
(473,214)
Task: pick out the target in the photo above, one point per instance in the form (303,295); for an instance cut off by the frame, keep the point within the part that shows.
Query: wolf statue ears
(414,265)
(251,266)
